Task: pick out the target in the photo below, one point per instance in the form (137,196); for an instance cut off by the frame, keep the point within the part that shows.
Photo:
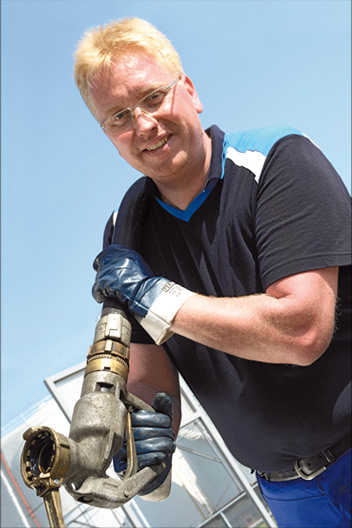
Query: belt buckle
(309,476)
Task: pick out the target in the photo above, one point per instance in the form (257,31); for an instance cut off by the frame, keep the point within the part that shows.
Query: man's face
(167,145)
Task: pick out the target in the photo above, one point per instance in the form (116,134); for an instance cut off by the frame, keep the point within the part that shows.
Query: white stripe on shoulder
(310,139)
(114,216)
(251,159)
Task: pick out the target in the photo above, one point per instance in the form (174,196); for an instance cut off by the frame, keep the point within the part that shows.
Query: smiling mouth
(158,144)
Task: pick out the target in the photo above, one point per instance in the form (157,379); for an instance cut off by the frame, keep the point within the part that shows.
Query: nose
(144,122)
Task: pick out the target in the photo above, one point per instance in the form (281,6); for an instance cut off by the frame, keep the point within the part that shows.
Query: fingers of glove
(148,459)
(149,452)
(120,274)
(120,460)
(144,433)
(150,419)
(97,294)
(153,445)
(112,252)
(163,404)
(101,293)
(120,256)
(151,459)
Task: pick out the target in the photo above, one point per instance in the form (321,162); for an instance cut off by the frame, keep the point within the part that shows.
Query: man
(247,238)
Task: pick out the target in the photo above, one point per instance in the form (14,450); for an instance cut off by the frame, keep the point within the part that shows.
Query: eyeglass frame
(132,108)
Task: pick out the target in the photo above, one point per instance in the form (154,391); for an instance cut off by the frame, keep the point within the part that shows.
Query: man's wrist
(158,320)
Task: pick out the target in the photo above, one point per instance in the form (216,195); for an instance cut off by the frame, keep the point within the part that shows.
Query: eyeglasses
(124,119)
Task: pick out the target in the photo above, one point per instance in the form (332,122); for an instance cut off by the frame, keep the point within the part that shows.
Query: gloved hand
(154,439)
(154,301)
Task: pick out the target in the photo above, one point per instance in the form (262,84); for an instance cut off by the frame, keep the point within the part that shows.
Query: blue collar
(216,172)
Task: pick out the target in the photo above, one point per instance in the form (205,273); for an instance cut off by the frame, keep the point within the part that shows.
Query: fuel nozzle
(100,422)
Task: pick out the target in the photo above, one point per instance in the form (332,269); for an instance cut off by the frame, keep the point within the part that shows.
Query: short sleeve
(303,212)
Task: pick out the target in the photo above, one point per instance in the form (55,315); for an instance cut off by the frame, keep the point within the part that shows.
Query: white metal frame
(221,446)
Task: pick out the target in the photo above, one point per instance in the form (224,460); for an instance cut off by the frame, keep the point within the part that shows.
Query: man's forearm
(152,371)
(257,327)
(291,323)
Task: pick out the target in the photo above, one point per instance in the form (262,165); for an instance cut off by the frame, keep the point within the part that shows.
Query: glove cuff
(162,311)
(159,489)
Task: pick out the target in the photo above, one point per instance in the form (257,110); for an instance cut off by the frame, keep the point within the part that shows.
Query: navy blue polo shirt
(273,206)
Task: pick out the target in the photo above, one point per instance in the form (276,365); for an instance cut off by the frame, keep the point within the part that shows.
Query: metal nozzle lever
(132,462)
(52,503)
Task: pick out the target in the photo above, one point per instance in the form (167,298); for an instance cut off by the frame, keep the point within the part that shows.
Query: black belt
(311,467)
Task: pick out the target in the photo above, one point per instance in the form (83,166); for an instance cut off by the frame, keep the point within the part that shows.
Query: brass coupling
(45,459)
(108,355)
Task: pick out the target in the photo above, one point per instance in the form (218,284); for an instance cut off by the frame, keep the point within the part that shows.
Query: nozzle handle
(52,502)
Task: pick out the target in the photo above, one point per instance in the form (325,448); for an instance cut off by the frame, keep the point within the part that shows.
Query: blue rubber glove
(154,439)
(153,301)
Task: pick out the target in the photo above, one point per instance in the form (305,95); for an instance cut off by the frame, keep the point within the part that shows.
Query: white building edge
(209,487)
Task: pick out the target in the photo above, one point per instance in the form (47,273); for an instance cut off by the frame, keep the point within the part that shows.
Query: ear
(188,84)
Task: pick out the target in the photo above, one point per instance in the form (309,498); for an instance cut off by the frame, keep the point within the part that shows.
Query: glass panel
(99,518)
(179,509)
(243,513)
(251,476)
(216,522)
(202,471)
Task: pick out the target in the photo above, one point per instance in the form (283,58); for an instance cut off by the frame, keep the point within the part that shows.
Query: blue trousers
(324,502)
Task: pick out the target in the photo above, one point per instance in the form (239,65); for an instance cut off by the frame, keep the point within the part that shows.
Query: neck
(181,194)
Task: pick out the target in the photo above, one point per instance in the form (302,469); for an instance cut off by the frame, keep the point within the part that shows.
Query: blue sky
(254,63)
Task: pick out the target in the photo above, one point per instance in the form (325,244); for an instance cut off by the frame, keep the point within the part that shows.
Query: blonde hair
(99,47)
